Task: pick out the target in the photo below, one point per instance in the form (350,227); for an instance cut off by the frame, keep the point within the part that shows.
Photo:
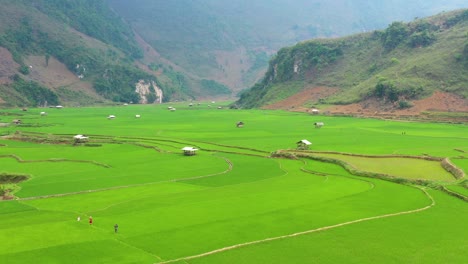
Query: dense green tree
(34,92)
(395,34)
(421,39)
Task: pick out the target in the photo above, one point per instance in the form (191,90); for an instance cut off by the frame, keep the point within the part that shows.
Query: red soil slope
(438,102)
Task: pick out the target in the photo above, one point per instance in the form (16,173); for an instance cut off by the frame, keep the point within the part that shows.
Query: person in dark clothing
(116,228)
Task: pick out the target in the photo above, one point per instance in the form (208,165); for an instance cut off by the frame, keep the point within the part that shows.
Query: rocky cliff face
(159,93)
(149,92)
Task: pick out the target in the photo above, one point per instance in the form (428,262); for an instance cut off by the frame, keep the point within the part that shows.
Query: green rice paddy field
(231,202)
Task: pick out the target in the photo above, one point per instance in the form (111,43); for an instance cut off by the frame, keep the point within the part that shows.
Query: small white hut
(189,151)
(80,138)
(303,144)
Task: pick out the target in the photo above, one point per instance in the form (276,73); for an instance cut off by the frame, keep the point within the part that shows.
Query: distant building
(80,138)
(189,151)
(303,144)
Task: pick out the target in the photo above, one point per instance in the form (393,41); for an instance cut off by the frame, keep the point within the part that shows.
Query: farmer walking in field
(90,220)
(116,228)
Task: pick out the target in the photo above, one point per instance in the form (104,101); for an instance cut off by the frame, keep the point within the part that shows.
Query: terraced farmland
(232,202)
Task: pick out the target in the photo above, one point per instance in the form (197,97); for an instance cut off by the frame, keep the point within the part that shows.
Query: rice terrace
(364,190)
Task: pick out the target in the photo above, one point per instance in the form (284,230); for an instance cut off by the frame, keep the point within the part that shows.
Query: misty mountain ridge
(82,52)
(231,41)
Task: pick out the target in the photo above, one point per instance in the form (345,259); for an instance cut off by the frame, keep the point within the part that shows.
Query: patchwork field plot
(411,168)
(232,202)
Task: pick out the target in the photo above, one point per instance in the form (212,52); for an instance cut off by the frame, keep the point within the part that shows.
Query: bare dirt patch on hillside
(55,75)
(297,101)
(439,101)
(8,66)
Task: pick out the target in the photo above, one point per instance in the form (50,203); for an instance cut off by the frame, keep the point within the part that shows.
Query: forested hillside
(89,39)
(404,62)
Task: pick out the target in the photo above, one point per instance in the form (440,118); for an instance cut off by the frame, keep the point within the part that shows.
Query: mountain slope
(230,41)
(91,48)
(405,62)
(81,52)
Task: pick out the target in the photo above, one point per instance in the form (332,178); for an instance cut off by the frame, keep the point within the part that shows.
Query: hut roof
(80,137)
(305,141)
(189,149)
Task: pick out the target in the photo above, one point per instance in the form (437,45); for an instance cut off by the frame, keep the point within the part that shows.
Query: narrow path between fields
(304,232)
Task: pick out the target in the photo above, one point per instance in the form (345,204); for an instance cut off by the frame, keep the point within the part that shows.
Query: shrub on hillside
(34,92)
(395,34)
(24,70)
(404,104)
(388,90)
(421,39)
